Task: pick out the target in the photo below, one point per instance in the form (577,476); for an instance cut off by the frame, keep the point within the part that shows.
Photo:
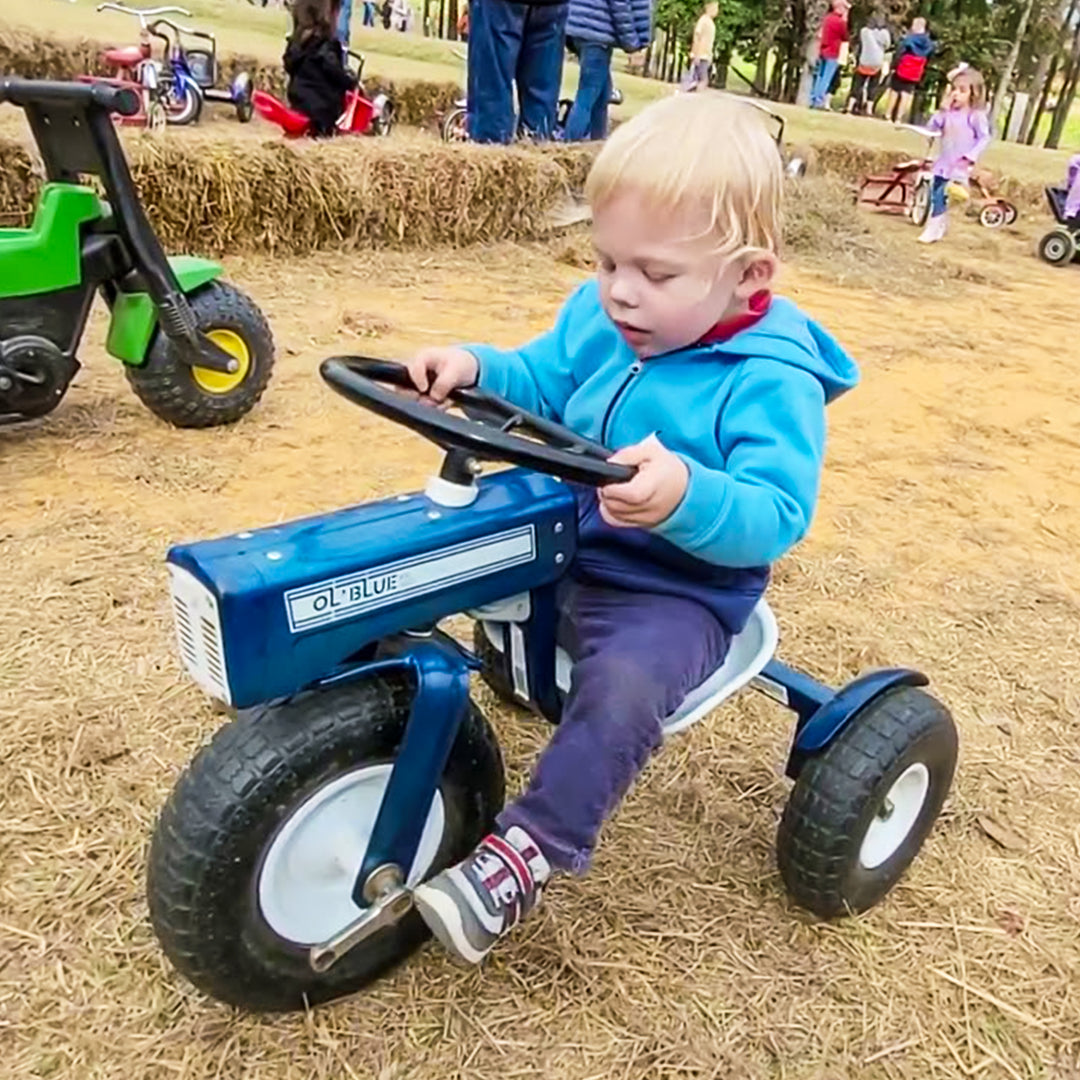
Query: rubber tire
(245,108)
(213,831)
(382,125)
(455,118)
(992,216)
(1011,213)
(190,113)
(165,384)
(493,668)
(920,204)
(1067,247)
(838,793)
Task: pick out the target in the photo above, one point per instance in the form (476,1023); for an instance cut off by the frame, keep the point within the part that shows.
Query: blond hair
(703,152)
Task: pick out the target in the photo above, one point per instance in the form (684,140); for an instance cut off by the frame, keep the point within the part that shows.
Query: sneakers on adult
(470,906)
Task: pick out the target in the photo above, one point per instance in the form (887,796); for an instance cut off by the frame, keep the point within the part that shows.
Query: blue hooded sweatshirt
(746,415)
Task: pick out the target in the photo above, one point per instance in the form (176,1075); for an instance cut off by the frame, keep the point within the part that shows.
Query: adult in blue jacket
(596,28)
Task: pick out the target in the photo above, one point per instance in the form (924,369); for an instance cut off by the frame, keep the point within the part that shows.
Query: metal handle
(24,92)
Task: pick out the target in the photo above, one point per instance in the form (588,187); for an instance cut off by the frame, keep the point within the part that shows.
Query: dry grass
(293,198)
(946,539)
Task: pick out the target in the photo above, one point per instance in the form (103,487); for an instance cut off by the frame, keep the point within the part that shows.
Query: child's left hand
(652,494)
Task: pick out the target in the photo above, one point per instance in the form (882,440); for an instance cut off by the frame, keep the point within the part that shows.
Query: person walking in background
(701,49)
(834,35)
(596,27)
(965,134)
(874,42)
(511,42)
(369,13)
(909,65)
(344,18)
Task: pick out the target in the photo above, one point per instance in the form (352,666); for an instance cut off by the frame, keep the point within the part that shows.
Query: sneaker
(935,230)
(471,905)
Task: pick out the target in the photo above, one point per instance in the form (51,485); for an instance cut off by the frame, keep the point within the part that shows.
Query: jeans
(343,23)
(823,77)
(369,12)
(588,118)
(939,196)
(514,43)
(635,658)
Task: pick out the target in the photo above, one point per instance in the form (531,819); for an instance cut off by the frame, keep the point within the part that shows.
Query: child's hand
(653,493)
(437,371)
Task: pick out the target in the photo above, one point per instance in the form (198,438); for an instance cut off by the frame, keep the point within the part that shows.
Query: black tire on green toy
(188,397)
(262,781)
(862,808)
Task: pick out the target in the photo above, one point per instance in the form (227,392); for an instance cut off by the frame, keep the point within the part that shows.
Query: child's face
(960,95)
(660,281)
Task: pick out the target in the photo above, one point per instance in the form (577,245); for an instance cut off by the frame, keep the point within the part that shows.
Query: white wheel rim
(1055,248)
(896,816)
(306,881)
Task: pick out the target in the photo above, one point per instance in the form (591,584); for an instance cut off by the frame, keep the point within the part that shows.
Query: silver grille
(198,632)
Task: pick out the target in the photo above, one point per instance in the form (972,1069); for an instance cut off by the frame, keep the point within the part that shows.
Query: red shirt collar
(726,329)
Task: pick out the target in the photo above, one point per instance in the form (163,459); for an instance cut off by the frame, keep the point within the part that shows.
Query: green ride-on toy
(196,350)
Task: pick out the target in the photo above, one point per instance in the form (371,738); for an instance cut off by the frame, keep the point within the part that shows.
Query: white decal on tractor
(347,597)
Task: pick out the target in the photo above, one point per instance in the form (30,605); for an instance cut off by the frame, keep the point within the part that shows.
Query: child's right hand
(437,371)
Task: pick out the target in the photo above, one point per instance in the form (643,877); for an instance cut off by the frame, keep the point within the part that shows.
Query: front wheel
(1011,213)
(455,126)
(920,206)
(253,857)
(196,397)
(183,103)
(861,809)
(1057,248)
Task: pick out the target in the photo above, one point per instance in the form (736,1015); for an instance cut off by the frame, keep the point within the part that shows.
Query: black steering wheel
(494,429)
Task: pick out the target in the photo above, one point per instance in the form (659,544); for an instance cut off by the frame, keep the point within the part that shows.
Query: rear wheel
(1011,213)
(920,206)
(455,126)
(862,808)
(196,397)
(1057,248)
(992,216)
(253,858)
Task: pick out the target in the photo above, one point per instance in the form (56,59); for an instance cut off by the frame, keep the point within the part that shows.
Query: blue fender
(819,730)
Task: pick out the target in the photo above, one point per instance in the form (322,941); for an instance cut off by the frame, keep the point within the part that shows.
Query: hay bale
(293,199)
(37,56)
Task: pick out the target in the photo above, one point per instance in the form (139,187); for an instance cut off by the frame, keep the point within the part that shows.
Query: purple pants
(1072,185)
(636,657)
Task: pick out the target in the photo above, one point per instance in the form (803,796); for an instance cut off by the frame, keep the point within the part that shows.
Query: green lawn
(261,31)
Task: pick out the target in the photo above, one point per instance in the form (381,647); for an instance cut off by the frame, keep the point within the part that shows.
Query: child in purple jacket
(1072,190)
(965,134)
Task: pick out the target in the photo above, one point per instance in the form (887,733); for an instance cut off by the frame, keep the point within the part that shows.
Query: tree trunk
(765,43)
(815,12)
(1010,66)
(1043,78)
(1036,117)
(1068,95)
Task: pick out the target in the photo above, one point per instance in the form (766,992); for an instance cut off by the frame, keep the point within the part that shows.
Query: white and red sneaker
(470,906)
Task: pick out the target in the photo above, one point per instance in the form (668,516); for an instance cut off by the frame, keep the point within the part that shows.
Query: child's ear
(759,272)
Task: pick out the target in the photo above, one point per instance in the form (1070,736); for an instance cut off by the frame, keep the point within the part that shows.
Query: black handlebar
(78,95)
(496,429)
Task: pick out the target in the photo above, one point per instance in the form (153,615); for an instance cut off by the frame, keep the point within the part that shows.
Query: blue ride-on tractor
(282,866)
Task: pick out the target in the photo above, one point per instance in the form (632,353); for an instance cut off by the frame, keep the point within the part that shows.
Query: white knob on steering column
(446,493)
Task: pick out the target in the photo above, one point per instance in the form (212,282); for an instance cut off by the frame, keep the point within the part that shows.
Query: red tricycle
(362,115)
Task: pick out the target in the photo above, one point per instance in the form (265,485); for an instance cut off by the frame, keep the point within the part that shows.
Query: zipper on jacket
(635,369)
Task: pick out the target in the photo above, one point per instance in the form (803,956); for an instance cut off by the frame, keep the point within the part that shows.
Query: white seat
(750,651)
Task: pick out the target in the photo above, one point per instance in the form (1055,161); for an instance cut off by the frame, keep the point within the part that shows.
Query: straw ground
(946,539)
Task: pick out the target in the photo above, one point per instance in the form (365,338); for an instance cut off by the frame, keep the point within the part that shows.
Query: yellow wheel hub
(221,382)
